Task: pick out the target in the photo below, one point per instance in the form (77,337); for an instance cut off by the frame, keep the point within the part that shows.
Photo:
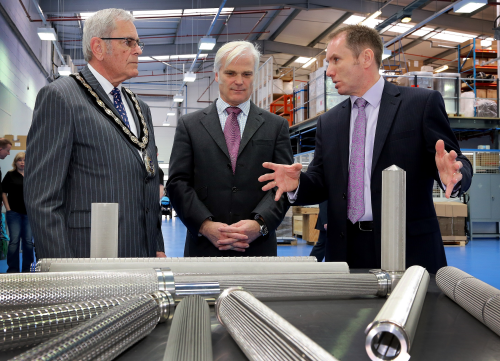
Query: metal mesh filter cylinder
(390,335)
(477,297)
(41,289)
(43,265)
(210,267)
(107,335)
(299,286)
(261,333)
(190,337)
(32,326)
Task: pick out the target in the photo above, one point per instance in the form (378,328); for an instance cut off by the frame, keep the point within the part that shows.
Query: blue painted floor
(480,258)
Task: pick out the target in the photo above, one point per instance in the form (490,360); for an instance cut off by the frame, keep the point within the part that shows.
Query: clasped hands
(235,237)
(286,177)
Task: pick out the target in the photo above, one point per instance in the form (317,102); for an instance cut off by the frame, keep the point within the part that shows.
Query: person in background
(17,219)
(318,250)
(5,146)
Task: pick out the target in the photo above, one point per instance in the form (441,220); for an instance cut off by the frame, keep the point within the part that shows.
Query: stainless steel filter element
(477,297)
(43,265)
(261,333)
(190,337)
(305,286)
(210,267)
(393,241)
(390,335)
(107,335)
(41,289)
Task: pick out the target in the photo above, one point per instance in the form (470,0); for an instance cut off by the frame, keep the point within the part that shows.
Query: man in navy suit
(380,125)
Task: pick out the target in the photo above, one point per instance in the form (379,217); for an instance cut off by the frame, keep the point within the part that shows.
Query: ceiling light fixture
(486,43)
(406,19)
(166,124)
(468,6)
(207,43)
(309,63)
(178,98)
(64,70)
(302,60)
(440,69)
(189,77)
(47,34)
(376,14)
(170,113)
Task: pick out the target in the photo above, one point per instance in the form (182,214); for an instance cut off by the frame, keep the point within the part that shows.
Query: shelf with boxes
(452,218)
(262,95)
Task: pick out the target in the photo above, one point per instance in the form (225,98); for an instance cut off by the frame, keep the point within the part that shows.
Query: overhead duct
(261,333)
(297,286)
(43,265)
(109,334)
(477,297)
(390,335)
(190,336)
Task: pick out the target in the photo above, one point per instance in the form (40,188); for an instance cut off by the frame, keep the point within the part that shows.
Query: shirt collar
(374,95)
(105,83)
(222,105)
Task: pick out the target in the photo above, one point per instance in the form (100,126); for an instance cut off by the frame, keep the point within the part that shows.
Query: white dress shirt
(242,117)
(108,87)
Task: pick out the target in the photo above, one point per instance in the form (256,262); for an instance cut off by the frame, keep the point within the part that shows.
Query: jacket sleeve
(437,126)
(49,147)
(185,201)
(271,211)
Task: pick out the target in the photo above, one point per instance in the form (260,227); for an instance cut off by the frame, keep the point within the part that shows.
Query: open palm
(285,177)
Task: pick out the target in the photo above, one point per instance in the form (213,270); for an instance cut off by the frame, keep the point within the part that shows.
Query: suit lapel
(254,121)
(131,106)
(342,134)
(211,122)
(388,108)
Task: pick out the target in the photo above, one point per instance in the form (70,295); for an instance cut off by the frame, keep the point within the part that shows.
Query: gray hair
(100,25)
(236,49)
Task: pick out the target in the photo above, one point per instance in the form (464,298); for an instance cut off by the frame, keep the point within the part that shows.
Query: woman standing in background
(17,219)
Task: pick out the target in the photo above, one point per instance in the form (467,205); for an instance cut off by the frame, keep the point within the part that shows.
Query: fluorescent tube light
(47,34)
(441,68)
(468,6)
(166,124)
(189,77)
(386,54)
(309,63)
(207,43)
(371,17)
(302,59)
(406,19)
(178,98)
(64,70)
(170,113)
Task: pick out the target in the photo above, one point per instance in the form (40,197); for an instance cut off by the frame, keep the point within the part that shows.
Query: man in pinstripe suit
(91,141)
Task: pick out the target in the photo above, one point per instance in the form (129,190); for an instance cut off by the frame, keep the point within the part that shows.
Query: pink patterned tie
(232,134)
(355,190)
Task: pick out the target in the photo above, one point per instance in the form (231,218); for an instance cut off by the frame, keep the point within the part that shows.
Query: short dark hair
(359,37)
(4,142)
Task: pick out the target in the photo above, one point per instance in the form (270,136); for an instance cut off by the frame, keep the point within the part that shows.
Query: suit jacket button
(341,234)
(344,196)
(234,189)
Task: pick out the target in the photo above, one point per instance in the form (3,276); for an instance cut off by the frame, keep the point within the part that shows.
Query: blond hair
(20,155)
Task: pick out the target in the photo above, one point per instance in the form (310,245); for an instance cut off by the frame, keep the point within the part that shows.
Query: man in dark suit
(380,125)
(91,141)
(318,250)
(216,158)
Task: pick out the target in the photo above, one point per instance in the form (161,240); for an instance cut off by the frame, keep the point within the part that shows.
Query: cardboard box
(491,94)
(450,209)
(452,226)
(469,63)
(17,144)
(414,65)
(454,238)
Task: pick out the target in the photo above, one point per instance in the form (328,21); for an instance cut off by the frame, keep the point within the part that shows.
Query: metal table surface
(445,331)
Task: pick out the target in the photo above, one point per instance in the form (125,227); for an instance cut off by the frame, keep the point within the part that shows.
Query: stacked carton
(451,218)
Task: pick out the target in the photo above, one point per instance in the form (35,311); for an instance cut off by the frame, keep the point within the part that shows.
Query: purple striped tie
(232,134)
(355,189)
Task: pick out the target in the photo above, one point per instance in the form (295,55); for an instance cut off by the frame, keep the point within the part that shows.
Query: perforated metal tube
(107,335)
(190,337)
(211,267)
(261,333)
(477,297)
(43,265)
(299,286)
(41,289)
(390,335)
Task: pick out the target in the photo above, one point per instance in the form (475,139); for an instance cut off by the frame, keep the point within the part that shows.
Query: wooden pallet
(455,243)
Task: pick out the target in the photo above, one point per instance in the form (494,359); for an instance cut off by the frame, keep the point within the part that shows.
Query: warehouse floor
(480,258)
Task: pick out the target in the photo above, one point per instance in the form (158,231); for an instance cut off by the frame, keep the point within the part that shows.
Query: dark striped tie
(117,100)
(232,134)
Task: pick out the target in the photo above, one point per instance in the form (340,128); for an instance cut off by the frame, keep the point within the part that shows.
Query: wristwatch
(263,227)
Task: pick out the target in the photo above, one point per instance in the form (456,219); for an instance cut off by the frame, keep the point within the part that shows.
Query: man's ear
(98,48)
(217,77)
(368,58)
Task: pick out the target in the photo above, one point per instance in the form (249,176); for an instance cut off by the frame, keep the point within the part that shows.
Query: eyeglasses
(131,43)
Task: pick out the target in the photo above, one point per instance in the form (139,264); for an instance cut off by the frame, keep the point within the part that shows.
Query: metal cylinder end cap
(166,305)
(165,280)
(221,298)
(375,338)
(384,283)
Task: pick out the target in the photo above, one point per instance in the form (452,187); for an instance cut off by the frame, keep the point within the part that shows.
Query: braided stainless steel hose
(41,289)
(43,265)
(477,297)
(390,335)
(107,335)
(297,286)
(190,337)
(261,333)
